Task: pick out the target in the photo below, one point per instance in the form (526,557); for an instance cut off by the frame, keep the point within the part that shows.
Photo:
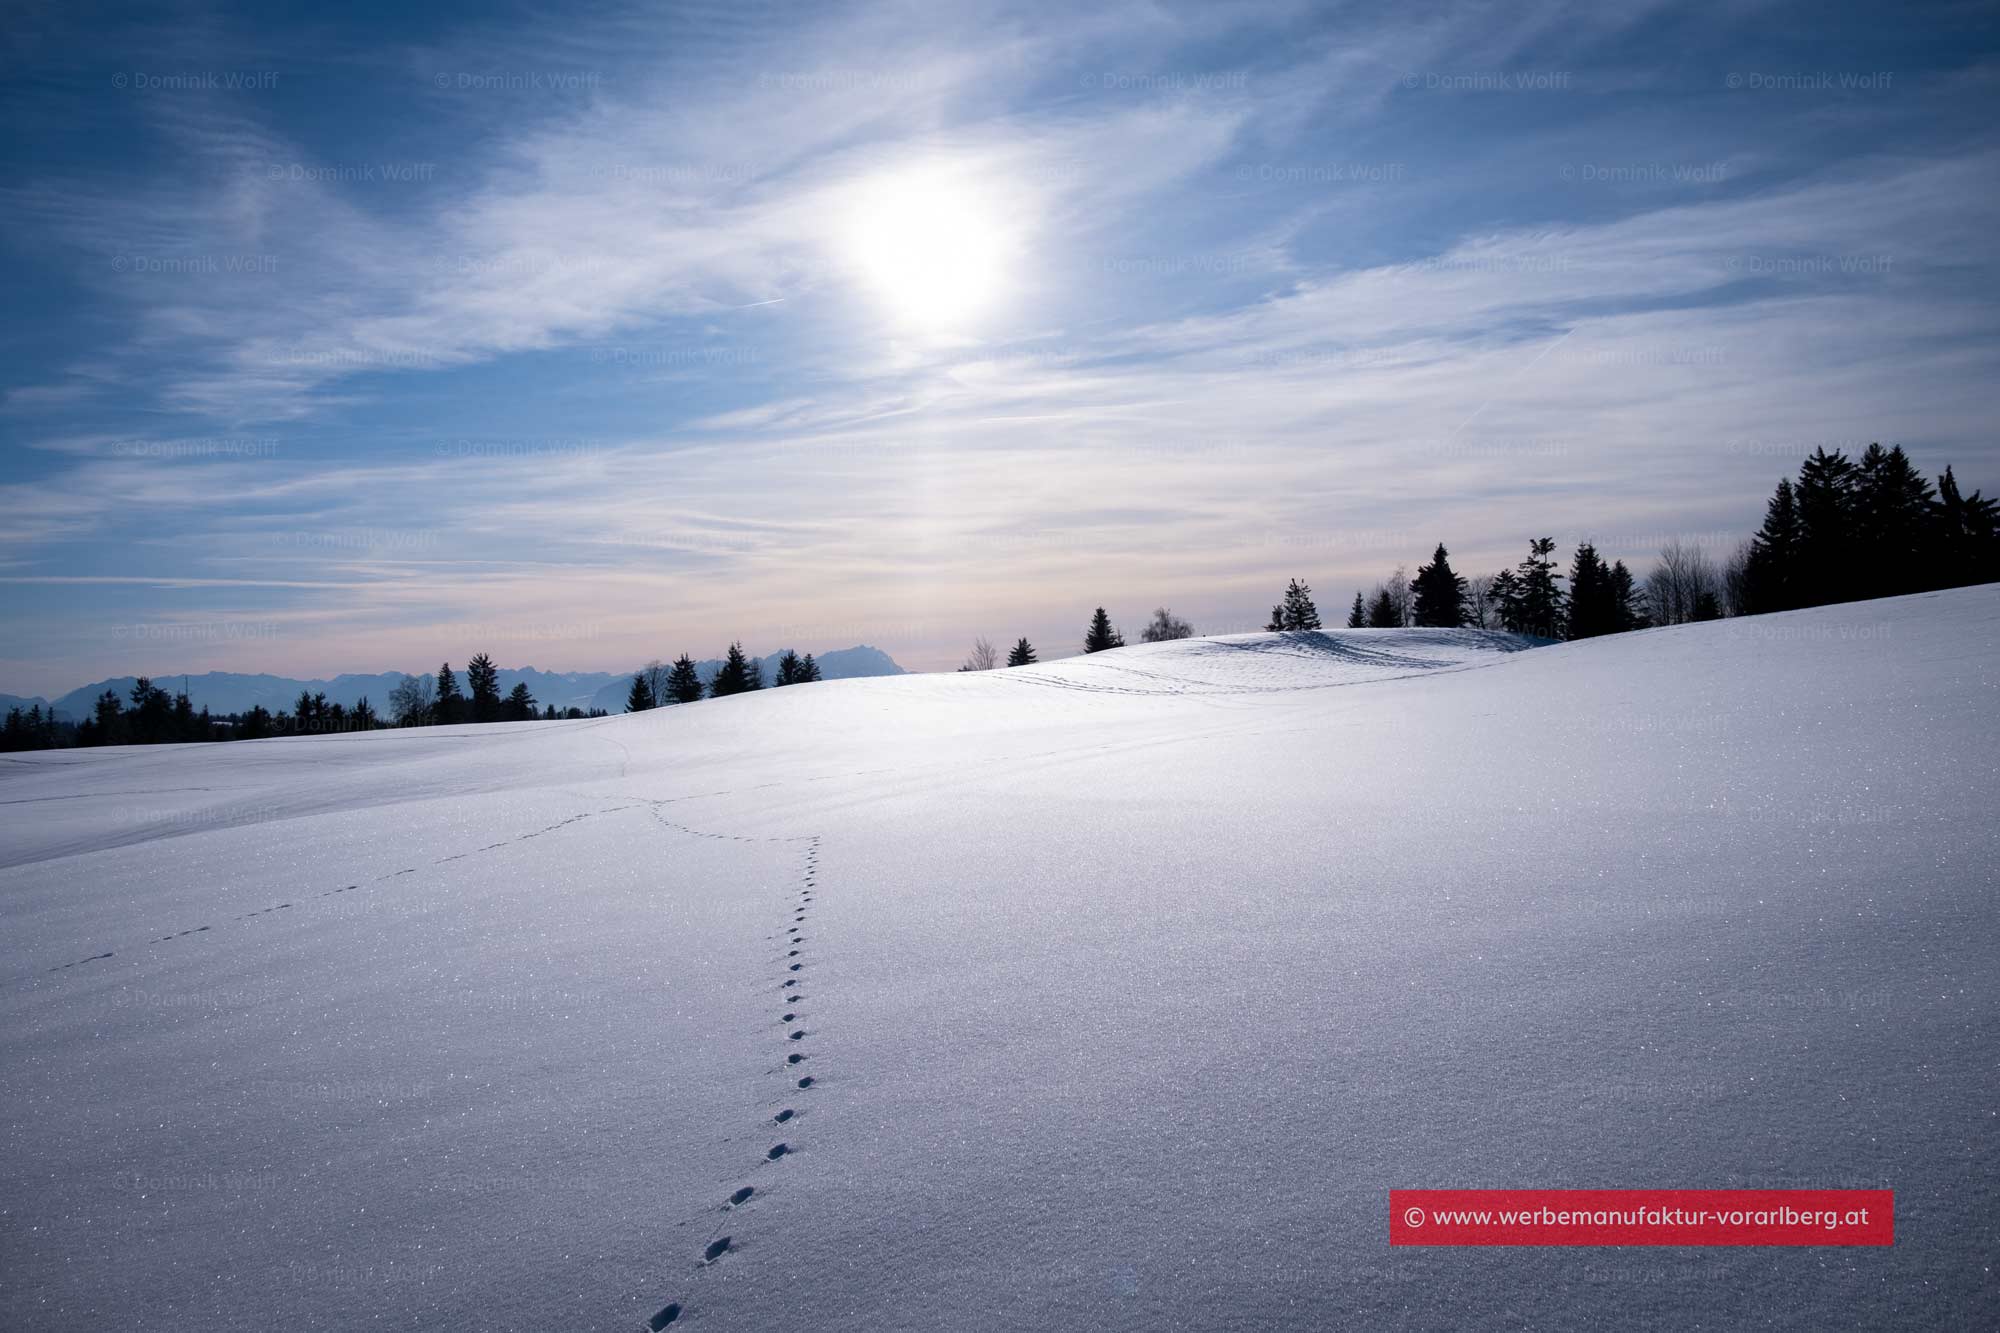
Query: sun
(931,244)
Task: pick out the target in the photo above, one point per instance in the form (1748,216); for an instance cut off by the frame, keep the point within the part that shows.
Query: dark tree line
(1844,531)
(1847,530)
(654,686)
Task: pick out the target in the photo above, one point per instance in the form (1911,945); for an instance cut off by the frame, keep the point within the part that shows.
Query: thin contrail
(1524,369)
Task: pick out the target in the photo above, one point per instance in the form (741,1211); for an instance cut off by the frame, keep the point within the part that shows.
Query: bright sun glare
(931,245)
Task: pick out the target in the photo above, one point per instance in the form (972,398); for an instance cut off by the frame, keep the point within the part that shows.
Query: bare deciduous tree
(1401,597)
(1678,584)
(1479,609)
(412,699)
(984,656)
(1166,625)
(655,675)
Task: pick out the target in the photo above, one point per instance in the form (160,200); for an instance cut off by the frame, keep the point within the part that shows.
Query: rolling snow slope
(1127,987)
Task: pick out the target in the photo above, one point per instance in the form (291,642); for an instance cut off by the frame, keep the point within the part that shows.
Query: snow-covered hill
(1110,993)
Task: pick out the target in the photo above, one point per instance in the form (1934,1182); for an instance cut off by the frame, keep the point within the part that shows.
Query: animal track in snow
(721,1245)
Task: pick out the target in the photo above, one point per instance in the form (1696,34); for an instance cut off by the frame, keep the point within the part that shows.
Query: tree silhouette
(639,698)
(1439,593)
(683,682)
(738,675)
(1101,634)
(1165,626)
(482,680)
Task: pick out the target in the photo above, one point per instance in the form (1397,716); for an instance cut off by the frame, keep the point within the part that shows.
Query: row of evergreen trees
(1845,531)
(654,685)
(1849,530)
(1527,599)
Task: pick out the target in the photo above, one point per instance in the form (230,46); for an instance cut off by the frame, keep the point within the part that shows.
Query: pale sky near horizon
(357,339)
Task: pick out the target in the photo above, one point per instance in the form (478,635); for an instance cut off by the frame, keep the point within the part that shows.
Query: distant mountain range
(228,692)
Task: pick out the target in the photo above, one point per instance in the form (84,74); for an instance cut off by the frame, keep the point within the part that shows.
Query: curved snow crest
(1272,663)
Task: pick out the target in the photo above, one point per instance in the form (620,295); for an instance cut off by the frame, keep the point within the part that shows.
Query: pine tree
(683,682)
(1357,615)
(482,679)
(789,668)
(1300,613)
(1277,622)
(1383,613)
(737,676)
(1966,536)
(1624,604)
(1894,518)
(110,719)
(1593,601)
(1022,655)
(639,698)
(1771,572)
(1439,593)
(1101,634)
(808,670)
(151,719)
(450,704)
(255,724)
(1530,599)
(363,717)
(1826,506)
(519,706)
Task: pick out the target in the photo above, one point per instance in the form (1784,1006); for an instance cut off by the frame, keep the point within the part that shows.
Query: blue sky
(357,338)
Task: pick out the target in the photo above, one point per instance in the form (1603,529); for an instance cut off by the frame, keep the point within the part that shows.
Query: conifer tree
(683,682)
(1895,524)
(255,724)
(1383,613)
(1771,572)
(1593,608)
(482,680)
(1357,615)
(519,705)
(1277,621)
(1624,603)
(639,698)
(789,667)
(1826,505)
(1439,593)
(1531,600)
(738,675)
(363,717)
(808,670)
(1023,653)
(1300,613)
(1101,634)
(450,704)
(110,719)
(1966,541)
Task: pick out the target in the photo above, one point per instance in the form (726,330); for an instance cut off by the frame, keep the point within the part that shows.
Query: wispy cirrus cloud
(1272,307)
